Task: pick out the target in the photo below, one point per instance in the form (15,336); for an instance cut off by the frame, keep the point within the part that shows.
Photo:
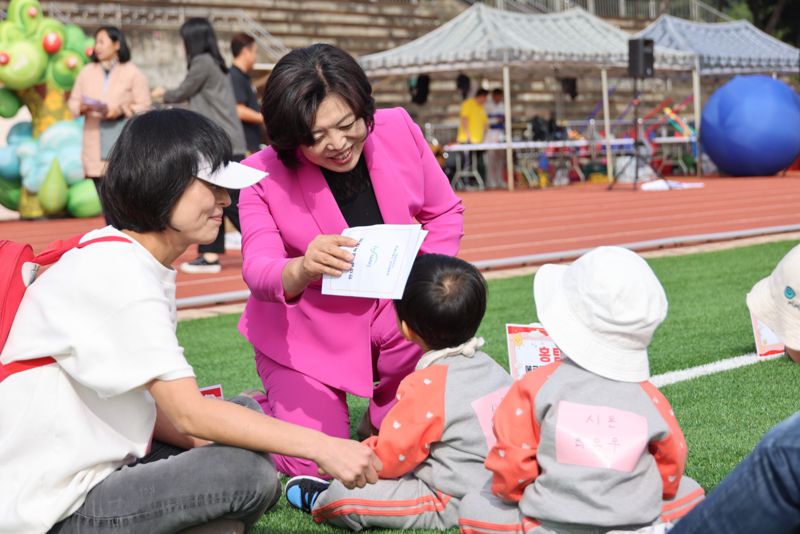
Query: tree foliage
(779,18)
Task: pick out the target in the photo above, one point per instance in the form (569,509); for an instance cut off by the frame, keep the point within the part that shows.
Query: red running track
(551,223)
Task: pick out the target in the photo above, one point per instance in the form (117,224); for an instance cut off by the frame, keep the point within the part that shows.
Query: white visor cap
(231,176)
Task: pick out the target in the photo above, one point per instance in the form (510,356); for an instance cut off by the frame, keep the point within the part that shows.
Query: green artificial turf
(722,415)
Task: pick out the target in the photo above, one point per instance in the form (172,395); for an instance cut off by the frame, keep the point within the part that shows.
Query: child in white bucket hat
(762,492)
(588,443)
(775,301)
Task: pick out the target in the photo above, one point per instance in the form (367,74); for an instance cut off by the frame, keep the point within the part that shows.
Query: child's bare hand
(350,462)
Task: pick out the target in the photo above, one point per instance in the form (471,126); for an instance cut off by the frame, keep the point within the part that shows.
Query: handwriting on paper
(599,436)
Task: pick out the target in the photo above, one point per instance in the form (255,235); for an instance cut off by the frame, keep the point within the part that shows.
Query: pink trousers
(297,398)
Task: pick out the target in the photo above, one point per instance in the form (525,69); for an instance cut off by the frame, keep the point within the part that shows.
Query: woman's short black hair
(444,300)
(153,162)
(297,85)
(116,36)
(199,38)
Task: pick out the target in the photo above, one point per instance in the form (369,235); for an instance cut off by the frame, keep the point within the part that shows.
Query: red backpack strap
(53,252)
(9,369)
(48,256)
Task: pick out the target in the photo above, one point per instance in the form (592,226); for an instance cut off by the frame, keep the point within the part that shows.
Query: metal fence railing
(642,9)
(122,15)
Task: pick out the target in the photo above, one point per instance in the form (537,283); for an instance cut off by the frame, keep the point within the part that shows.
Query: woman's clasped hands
(352,463)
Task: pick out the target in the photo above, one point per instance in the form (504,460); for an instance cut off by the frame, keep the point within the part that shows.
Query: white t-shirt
(106,313)
(496,112)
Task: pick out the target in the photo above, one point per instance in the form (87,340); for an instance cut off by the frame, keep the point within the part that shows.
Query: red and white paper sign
(529,347)
(212,391)
(767,341)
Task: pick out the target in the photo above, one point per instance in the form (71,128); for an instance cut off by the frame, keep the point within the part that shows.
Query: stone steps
(366,26)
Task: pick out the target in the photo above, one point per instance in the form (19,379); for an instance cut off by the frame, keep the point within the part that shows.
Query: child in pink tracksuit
(434,441)
(588,444)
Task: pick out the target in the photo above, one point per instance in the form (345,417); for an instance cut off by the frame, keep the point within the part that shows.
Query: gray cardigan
(210,93)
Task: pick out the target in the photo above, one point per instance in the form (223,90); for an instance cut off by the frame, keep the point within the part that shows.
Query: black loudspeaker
(570,87)
(640,58)
(419,91)
(462,85)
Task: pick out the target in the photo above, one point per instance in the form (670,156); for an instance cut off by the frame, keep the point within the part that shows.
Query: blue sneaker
(302,491)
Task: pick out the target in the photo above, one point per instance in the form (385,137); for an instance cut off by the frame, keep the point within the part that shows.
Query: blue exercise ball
(751,126)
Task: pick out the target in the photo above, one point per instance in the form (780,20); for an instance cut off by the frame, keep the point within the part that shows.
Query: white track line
(635,246)
(673,377)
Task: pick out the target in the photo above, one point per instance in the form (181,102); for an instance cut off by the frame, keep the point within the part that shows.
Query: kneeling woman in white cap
(588,443)
(103,426)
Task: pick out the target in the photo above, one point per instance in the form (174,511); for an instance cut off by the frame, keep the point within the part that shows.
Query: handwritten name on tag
(599,436)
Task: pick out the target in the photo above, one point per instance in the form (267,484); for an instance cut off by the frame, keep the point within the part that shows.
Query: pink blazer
(328,337)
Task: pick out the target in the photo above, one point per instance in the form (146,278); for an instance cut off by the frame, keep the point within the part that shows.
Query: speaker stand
(638,159)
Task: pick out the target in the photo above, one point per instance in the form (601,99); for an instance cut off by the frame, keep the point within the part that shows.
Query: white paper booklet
(383,259)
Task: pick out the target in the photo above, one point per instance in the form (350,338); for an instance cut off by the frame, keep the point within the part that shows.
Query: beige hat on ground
(775,300)
(602,311)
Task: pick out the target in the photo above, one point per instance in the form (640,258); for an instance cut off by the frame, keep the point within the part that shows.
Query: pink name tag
(599,436)
(484,410)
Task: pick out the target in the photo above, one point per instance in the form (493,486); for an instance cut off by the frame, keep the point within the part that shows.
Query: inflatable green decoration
(28,205)
(40,58)
(83,200)
(9,194)
(53,192)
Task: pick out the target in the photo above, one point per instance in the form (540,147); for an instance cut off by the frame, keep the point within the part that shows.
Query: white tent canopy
(726,47)
(485,38)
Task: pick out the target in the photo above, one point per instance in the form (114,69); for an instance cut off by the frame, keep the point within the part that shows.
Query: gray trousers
(172,489)
(483,513)
(404,503)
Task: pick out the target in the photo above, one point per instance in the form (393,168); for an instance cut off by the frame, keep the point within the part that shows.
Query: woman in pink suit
(334,162)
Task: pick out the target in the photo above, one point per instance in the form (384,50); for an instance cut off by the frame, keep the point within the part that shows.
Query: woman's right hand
(157,93)
(352,463)
(324,255)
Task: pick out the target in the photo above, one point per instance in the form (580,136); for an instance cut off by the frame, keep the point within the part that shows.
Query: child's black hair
(444,300)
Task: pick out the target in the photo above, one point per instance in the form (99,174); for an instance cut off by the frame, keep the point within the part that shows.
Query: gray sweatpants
(483,513)
(404,503)
(172,489)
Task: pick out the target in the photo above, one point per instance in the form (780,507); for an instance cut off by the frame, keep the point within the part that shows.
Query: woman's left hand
(113,113)
(352,463)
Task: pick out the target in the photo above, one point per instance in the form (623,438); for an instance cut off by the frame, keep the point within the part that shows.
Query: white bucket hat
(775,300)
(602,311)
(231,176)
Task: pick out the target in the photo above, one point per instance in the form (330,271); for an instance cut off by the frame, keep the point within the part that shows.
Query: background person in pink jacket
(334,162)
